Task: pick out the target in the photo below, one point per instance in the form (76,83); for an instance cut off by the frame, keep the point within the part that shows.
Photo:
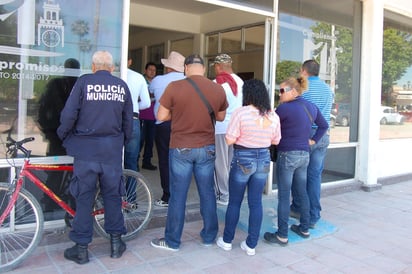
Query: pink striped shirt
(247,128)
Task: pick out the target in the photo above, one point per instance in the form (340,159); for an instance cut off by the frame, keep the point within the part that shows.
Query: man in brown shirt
(192,150)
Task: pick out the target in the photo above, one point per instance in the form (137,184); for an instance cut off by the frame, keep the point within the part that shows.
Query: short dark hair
(311,67)
(194,59)
(255,93)
(150,64)
(72,63)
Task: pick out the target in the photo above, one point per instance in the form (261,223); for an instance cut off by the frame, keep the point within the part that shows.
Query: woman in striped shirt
(252,129)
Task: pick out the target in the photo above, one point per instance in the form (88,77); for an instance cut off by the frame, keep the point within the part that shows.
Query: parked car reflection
(390,116)
(341,111)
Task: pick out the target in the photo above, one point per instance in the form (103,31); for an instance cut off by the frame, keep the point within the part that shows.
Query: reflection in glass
(395,117)
(301,39)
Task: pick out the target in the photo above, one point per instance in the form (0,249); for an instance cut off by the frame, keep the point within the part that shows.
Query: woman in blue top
(297,117)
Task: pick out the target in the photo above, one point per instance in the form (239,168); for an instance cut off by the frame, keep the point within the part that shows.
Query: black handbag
(273,152)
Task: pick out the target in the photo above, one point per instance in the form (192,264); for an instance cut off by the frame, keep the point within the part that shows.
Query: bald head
(194,65)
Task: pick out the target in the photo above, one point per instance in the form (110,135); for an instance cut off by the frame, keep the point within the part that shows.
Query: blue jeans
(185,162)
(249,168)
(131,153)
(314,179)
(291,169)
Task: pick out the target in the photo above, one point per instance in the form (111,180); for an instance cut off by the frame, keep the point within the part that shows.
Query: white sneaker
(225,246)
(161,203)
(161,243)
(249,251)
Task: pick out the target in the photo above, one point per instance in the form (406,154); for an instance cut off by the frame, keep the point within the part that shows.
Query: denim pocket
(246,166)
(292,161)
(266,166)
(210,152)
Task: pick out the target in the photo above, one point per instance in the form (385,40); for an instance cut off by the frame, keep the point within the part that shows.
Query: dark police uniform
(96,122)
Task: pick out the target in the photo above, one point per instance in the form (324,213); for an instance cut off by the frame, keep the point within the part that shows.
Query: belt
(135,115)
(236,146)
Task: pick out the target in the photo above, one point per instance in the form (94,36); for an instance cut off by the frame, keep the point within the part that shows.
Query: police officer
(97,116)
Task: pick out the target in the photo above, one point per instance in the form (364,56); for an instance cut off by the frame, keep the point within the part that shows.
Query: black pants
(147,135)
(162,139)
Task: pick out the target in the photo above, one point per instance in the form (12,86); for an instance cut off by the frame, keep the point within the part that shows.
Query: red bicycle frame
(26,171)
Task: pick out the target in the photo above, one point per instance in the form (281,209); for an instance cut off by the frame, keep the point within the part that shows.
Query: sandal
(296,229)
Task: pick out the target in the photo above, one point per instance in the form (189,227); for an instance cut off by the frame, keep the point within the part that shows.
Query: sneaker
(225,246)
(275,239)
(249,251)
(312,226)
(161,243)
(161,203)
(221,202)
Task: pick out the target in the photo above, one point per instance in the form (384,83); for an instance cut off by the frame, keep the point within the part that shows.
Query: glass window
(41,56)
(212,44)
(184,46)
(245,45)
(231,41)
(396,94)
(325,31)
(331,45)
(255,38)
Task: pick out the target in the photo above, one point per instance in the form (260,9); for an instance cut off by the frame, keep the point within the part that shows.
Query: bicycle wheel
(137,206)
(21,231)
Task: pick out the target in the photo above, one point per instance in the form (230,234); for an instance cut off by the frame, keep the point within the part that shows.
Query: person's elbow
(146,105)
(162,117)
(221,115)
(229,141)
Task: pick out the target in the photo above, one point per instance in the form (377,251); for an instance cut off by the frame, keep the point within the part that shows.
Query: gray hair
(102,59)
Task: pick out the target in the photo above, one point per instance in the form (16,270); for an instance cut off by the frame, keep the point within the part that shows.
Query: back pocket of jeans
(246,166)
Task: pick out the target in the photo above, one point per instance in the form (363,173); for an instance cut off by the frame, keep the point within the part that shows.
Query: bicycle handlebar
(13,146)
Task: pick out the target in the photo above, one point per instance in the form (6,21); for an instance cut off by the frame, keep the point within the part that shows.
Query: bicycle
(22,221)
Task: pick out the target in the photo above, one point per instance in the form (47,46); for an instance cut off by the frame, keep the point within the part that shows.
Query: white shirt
(233,101)
(138,88)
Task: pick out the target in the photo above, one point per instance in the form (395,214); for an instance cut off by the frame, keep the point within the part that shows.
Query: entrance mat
(269,223)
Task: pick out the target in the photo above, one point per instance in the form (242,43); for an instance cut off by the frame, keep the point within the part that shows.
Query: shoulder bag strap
(202,96)
(307,112)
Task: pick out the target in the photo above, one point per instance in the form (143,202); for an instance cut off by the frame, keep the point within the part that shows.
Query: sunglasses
(283,90)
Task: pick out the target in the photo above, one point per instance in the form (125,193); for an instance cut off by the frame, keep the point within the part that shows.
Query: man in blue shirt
(321,95)
(174,65)
(95,124)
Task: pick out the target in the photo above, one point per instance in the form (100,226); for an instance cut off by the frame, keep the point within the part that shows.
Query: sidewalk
(371,233)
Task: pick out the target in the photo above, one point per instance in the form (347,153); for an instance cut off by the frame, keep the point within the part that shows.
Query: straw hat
(174,61)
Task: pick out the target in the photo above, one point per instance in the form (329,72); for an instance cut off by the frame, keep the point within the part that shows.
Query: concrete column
(370,93)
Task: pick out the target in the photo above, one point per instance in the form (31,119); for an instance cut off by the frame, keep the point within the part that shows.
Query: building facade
(364,48)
